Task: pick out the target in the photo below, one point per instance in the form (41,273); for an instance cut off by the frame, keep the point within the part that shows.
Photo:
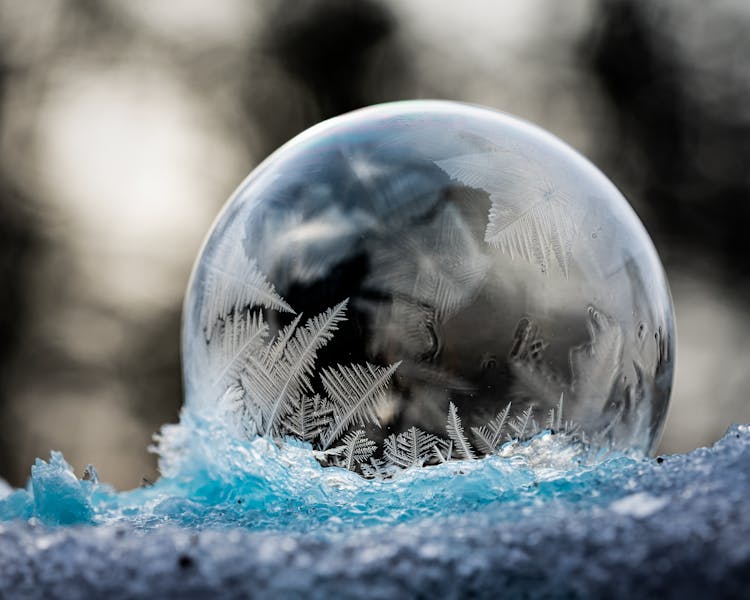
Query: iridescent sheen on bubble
(421,281)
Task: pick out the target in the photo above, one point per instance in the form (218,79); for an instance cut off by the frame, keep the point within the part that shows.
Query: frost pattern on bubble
(530,215)
(422,282)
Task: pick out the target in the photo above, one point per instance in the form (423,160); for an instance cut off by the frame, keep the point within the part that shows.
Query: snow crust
(249,519)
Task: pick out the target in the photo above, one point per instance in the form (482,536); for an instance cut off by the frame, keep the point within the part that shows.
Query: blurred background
(124,126)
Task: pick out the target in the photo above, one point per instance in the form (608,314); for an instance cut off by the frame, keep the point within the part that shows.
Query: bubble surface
(421,281)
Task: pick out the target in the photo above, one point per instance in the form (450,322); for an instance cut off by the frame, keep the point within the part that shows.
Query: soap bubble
(422,281)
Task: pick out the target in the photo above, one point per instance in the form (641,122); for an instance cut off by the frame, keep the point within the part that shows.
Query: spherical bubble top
(421,281)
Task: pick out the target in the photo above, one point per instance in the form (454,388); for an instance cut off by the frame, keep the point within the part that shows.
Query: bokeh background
(124,126)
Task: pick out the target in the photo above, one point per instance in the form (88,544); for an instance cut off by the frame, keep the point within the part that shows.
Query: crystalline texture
(422,281)
(674,527)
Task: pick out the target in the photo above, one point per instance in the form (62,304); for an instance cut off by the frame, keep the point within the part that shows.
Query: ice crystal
(529,216)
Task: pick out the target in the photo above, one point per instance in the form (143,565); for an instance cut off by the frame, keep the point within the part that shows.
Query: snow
(5,489)
(639,505)
(506,526)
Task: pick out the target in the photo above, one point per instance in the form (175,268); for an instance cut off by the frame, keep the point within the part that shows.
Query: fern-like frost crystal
(356,392)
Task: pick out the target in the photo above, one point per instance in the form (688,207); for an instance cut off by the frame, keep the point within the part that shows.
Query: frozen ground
(273,525)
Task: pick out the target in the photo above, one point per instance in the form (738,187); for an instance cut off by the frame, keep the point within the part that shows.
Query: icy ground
(247,519)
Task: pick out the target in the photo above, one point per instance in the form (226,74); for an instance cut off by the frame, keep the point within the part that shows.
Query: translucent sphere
(422,281)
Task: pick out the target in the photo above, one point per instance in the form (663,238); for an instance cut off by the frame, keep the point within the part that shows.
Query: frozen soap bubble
(420,281)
